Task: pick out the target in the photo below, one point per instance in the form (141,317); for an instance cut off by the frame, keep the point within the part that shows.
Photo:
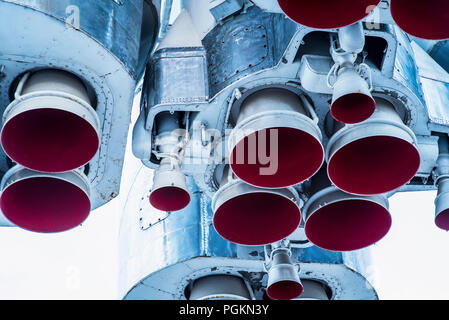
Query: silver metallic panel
(112,23)
(161,253)
(179,76)
(35,35)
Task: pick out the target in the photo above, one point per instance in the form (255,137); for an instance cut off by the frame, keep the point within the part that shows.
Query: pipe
(352,38)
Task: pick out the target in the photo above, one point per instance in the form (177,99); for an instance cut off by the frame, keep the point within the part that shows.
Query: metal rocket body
(271,133)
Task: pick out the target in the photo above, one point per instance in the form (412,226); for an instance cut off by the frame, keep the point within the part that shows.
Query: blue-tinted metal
(247,52)
(438,50)
(223,9)
(405,70)
(162,252)
(172,69)
(249,43)
(115,24)
(277,48)
(104,43)
(435,83)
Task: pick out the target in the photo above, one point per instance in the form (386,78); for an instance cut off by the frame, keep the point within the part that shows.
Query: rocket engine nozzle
(283,277)
(251,216)
(352,101)
(51,126)
(275,144)
(338,221)
(219,287)
(442,205)
(169,192)
(422,19)
(327,14)
(45,202)
(373,157)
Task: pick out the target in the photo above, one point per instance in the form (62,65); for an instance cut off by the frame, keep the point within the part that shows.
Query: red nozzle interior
(348,225)
(327,14)
(422,19)
(374,165)
(285,290)
(45,204)
(255,219)
(49,140)
(170,198)
(299,155)
(353,108)
(442,220)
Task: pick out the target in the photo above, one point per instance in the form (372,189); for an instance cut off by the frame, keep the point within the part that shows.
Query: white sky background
(411,262)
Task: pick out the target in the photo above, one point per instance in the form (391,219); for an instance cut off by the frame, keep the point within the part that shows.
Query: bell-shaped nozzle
(45,202)
(169,192)
(51,126)
(352,101)
(442,181)
(442,205)
(283,277)
(376,156)
(219,287)
(422,19)
(327,14)
(338,221)
(252,216)
(275,143)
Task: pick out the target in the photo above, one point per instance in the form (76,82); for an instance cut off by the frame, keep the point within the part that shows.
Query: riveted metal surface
(246,52)
(112,23)
(281,69)
(172,69)
(159,262)
(35,35)
(255,40)
(440,52)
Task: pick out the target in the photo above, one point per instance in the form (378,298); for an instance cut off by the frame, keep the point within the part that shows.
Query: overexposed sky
(412,261)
